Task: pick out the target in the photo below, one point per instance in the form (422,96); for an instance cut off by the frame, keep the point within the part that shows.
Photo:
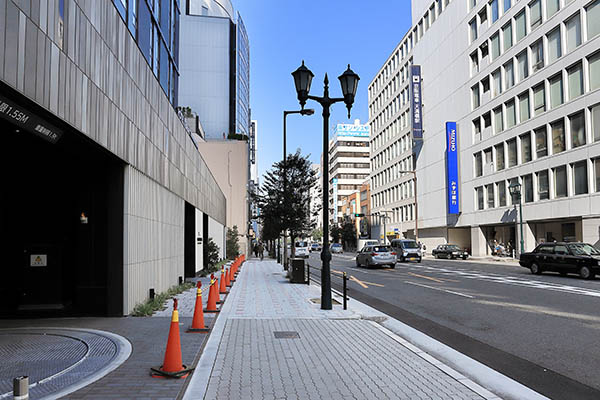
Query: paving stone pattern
(336,356)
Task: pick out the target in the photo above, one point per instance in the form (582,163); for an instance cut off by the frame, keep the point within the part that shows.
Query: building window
(479,193)
(541,142)
(478,164)
(501,187)
(521,26)
(577,122)
(537,54)
(477,130)
(483,16)
(490,196)
(498,121)
(528,188)
(484,50)
(556,91)
(472,4)
(511,114)
(594,64)
(499,157)
(554,47)
(155,50)
(573,32)
(512,152)
(543,185)
(475,95)
(535,14)
(539,99)
(524,112)
(507,5)
(495,10)
(495,40)
(558,136)
(487,120)
(580,178)
(575,81)
(595,112)
(560,182)
(507,36)
(522,66)
(497,79)
(509,74)
(552,6)
(597,173)
(475,62)
(526,148)
(593,19)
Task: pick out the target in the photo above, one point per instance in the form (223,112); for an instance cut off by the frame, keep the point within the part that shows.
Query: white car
(302,249)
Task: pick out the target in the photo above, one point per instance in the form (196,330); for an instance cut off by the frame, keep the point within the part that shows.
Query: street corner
(58,361)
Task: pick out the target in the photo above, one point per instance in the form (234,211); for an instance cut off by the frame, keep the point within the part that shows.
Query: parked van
(301,248)
(407,250)
(366,242)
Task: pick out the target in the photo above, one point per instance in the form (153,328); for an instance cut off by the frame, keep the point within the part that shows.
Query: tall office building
(105,197)
(316,200)
(348,164)
(510,97)
(215,67)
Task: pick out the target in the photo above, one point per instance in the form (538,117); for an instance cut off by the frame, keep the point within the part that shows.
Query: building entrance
(61,226)
(500,239)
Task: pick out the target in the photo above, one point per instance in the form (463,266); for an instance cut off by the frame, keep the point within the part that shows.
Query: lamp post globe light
(515,191)
(349,83)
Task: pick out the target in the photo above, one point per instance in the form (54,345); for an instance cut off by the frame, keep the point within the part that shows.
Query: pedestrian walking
(261,250)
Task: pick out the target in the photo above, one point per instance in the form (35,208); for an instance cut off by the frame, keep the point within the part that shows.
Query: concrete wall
(154,231)
(216,232)
(228,160)
(99,83)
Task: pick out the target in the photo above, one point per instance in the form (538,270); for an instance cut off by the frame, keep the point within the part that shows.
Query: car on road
(301,248)
(315,247)
(367,242)
(564,258)
(450,251)
(336,248)
(376,255)
(406,249)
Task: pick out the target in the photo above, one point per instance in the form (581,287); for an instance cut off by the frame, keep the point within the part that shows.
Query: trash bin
(297,274)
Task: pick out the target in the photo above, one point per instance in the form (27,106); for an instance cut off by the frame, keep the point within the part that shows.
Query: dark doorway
(205,238)
(189,240)
(61,226)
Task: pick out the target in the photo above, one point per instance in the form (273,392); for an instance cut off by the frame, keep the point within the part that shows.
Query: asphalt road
(540,330)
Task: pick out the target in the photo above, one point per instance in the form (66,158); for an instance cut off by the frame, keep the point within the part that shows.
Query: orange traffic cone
(211,306)
(172,366)
(223,287)
(198,321)
(227,280)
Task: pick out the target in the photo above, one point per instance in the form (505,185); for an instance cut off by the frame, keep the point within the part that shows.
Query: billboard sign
(416,103)
(356,130)
(452,168)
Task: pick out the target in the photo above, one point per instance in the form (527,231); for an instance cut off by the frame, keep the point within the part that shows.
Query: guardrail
(341,275)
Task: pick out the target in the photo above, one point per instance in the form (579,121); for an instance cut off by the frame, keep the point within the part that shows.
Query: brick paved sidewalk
(331,354)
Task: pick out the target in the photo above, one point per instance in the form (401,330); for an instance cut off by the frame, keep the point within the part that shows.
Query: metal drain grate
(286,335)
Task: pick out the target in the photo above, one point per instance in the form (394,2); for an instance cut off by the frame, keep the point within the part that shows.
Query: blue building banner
(416,103)
(452,168)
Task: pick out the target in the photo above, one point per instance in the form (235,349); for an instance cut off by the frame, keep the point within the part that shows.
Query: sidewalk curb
(464,369)
(198,383)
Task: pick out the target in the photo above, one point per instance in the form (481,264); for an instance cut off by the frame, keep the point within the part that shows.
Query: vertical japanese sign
(416,103)
(334,182)
(452,167)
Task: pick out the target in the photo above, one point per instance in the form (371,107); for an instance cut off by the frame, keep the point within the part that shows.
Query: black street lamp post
(349,82)
(515,191)
(308,111)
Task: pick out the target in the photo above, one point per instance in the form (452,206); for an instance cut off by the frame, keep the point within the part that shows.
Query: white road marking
(440,289)
(511,280)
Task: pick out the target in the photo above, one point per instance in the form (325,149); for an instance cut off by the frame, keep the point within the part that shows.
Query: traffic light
(359,215)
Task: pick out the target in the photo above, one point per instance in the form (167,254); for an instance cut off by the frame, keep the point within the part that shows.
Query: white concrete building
(521,80)
(315,198)
(348,164)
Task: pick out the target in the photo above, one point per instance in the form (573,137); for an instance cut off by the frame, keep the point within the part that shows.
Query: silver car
(376,255)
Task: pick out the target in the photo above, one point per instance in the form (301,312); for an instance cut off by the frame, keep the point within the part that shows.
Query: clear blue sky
(328,35)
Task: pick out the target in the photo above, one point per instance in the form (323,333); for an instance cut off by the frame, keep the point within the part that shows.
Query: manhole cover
(286,335)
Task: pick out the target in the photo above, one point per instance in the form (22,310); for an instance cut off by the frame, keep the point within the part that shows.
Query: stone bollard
(21,388)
